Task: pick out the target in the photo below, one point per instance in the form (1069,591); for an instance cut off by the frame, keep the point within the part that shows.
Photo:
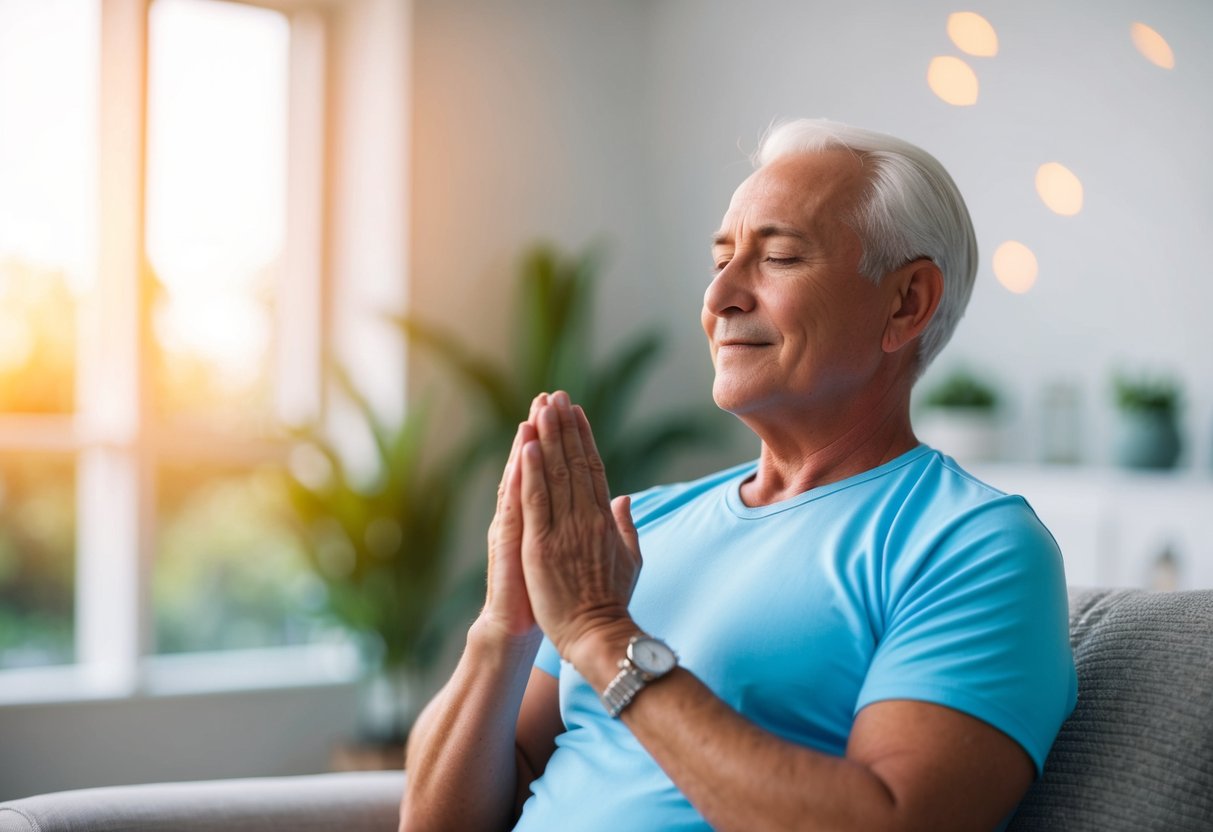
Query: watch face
(652,656)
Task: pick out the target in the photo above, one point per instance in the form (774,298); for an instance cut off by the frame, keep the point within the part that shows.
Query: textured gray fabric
(1137,753)
(359,802)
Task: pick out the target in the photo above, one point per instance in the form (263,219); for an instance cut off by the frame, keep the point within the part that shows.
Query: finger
(509,463)
(556,470)
(536,500)
(536,403)
(621,508)
(510,504)
(581,483)
(602,491)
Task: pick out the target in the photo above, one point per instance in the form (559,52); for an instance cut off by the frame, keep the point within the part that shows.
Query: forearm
(462,771)
(739,776)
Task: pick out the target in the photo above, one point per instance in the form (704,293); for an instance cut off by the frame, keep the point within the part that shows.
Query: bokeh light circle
(952,80)
(973,34)
(1059,189)
(1015,266)
(1153,46)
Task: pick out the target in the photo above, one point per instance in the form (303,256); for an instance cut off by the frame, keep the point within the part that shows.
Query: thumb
(621,508)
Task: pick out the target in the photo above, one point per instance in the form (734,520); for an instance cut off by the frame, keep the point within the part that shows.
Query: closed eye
(783,261)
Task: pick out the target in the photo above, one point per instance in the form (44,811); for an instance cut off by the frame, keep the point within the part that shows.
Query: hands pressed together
(563,558)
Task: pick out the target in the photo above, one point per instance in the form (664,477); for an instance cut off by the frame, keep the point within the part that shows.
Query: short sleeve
(977,620)
(547,659)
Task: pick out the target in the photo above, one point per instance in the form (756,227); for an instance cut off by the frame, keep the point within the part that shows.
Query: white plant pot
(966,435)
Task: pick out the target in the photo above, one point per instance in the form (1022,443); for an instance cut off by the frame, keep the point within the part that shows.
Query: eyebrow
(721,238)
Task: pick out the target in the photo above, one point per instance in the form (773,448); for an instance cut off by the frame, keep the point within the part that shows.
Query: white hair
(912,209)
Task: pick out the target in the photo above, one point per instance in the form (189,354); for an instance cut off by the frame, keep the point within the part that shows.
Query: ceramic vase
(1147,439)
(966,434)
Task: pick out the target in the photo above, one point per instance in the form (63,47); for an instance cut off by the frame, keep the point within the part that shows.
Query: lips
(738,343)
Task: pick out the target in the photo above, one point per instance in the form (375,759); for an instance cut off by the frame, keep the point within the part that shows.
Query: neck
(818,446)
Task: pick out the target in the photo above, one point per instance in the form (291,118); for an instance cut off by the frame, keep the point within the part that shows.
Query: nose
(729,293)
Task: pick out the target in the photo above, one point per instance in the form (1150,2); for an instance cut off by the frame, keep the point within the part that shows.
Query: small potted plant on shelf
(960,416)
(1147,426)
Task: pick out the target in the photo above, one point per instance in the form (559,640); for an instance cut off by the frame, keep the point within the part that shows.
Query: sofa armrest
(356,802)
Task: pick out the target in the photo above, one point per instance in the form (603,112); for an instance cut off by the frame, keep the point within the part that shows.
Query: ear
(917,288)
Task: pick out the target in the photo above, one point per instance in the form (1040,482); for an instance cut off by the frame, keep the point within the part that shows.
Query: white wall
(563,119)
(529,124)
(68,745)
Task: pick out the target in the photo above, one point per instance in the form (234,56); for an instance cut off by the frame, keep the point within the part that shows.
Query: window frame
(114,434)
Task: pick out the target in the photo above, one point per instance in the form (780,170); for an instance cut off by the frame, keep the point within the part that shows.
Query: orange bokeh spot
(1015,266)
(1059,189)
(1153,46)
(973,34)
(952,80)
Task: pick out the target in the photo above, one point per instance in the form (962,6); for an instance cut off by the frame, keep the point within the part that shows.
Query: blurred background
(274,273)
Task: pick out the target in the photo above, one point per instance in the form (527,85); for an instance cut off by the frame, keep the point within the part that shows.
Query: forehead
(811,191)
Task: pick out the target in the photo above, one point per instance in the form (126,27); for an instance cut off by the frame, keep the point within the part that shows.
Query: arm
(908,765)
(479,743)
(476,747)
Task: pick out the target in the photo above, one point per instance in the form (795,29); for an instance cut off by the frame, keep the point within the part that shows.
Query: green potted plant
(1147,427)
(551,351)
(381,548)
(960,416)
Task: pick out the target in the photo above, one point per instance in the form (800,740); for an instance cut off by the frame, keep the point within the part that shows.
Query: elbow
(410,822)
(414,818)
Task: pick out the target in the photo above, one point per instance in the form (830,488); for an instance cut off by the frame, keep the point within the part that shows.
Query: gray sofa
(1136,754)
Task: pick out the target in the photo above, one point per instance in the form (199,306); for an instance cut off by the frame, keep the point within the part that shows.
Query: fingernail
(562,398)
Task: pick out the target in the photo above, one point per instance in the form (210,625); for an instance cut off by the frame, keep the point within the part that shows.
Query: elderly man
(849,633)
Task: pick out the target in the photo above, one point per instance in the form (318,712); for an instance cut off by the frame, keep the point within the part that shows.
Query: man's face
(791,323)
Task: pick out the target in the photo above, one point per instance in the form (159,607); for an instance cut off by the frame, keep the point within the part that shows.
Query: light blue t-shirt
(910,581)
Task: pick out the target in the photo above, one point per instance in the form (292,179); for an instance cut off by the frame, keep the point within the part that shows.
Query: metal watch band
(623,688)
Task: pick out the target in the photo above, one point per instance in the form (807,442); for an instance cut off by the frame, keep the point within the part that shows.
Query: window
(227,573)
(163,250)
(47,167)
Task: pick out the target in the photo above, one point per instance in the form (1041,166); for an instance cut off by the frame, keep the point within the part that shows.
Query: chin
(731,398)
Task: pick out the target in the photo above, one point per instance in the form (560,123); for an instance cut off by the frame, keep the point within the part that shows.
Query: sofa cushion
(1137,753)
(356,802)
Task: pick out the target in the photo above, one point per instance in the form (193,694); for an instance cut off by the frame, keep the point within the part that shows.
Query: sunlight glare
(216,178)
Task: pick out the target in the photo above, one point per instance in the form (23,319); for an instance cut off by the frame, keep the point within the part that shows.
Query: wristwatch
(647,660)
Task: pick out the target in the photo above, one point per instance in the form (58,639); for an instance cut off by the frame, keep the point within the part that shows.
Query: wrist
(596,653)
(486,637)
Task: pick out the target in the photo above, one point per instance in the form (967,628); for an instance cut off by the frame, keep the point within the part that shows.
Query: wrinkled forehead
(812,188)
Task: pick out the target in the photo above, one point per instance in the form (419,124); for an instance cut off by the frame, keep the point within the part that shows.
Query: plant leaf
(478,375)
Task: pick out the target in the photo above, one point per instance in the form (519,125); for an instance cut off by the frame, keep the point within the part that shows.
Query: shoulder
(952,527)
(661,500)
(946,500)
